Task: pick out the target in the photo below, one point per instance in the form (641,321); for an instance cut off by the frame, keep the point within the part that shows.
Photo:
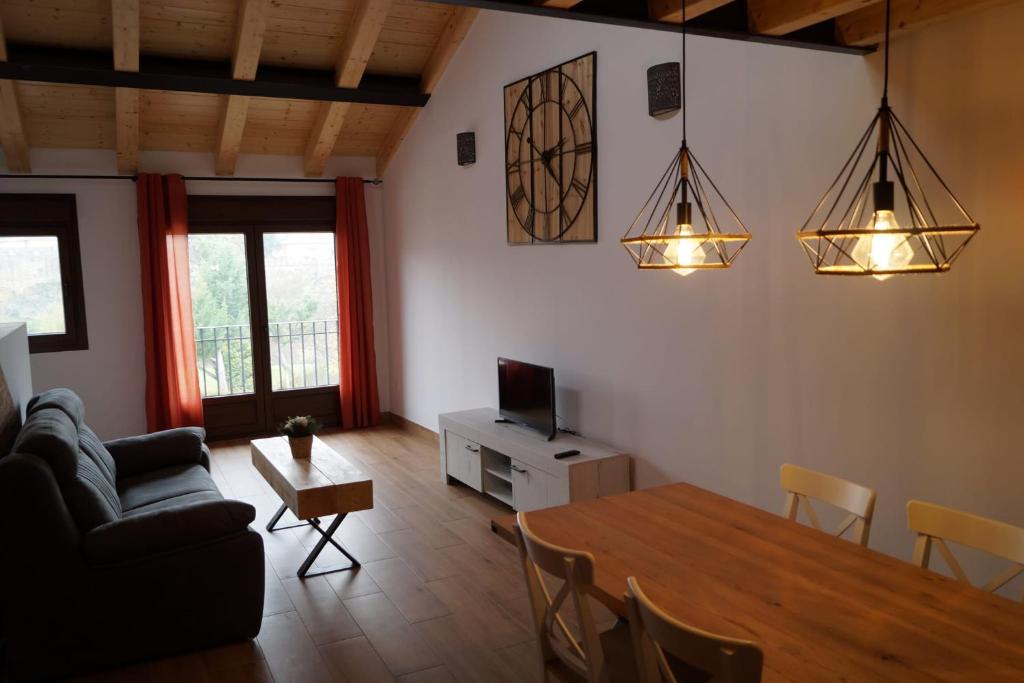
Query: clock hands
(543,155)
(546,157)
(558,146)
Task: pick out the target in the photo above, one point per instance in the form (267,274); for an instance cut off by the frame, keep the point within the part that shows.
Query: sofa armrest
(165,530)
(140,454)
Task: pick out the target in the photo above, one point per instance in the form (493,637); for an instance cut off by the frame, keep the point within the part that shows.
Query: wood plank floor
(438,598)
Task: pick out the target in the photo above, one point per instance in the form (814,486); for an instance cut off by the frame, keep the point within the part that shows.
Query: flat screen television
(526,395)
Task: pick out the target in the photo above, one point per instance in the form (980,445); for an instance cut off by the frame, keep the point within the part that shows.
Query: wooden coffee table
(322,485)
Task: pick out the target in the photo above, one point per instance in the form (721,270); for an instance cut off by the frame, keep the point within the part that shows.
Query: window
(41,270)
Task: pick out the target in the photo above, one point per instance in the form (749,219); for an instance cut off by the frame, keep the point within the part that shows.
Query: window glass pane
(30,287)
(302,309)
(220,311)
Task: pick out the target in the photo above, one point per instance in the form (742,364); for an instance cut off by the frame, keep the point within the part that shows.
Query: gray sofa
(117,552)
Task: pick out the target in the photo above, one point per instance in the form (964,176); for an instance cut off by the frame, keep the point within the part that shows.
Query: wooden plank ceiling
(384,37)
(403,38)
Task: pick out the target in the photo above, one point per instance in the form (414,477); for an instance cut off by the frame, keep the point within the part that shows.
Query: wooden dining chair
(595,657)
(936,524)
(802,484)
(667,649)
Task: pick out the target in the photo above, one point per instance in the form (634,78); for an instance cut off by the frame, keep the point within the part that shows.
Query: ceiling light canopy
(887,212)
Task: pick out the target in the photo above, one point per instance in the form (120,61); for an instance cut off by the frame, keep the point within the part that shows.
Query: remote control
(566,454)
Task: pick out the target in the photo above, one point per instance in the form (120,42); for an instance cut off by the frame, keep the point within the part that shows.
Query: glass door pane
(220,311)
(302,309)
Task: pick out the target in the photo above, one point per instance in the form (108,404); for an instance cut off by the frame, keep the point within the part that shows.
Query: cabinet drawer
(463,459)
(529,487)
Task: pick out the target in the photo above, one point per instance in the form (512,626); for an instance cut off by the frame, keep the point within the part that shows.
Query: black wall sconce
(663,89)
(466,146)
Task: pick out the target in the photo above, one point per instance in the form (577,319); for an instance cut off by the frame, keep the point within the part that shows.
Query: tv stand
(503,421)
(516,465)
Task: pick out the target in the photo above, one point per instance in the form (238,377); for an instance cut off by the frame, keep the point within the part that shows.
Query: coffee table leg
(277,517)
(271,525)
(321,544)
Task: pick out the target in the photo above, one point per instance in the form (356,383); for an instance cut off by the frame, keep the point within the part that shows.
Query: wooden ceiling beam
(867,26)
(125,24)
(721,19)
(252,24)
(355,55)
(670,12)
(245,59)
(89,67)
(779,17)
(12,132)
(447,44)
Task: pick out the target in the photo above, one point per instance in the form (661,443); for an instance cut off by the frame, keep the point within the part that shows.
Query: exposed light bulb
(684,252)
(883,252)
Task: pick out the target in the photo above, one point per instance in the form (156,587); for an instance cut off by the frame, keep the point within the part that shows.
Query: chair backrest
(655,633)
(802,484)
(575,568)
(936,524)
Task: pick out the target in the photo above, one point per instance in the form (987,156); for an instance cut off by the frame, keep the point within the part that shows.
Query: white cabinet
(517,466)
(529,487)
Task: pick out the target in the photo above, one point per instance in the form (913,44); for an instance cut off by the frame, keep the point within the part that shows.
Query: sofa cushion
(52,434)
(64,400)
(91,446)
(71,405)
(166,487)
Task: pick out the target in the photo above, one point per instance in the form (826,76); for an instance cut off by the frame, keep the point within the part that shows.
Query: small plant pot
(302,446)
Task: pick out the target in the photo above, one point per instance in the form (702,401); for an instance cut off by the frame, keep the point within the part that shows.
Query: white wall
(110,375)
(912,386)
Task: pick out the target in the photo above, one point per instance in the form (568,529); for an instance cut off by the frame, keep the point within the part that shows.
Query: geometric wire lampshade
(912,225)
(862,227)
(673,233)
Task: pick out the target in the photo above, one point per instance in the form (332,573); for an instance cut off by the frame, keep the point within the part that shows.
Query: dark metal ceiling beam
(87,67)
(728,22)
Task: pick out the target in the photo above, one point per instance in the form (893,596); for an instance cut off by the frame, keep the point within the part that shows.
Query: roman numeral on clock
(576,108)
(518,197)
(579,186)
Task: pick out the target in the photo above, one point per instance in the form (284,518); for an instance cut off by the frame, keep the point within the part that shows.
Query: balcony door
(265,308)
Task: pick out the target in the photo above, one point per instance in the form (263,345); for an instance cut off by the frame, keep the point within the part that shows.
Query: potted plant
(300,431)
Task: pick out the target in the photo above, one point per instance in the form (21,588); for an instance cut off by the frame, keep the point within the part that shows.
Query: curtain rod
(55,176)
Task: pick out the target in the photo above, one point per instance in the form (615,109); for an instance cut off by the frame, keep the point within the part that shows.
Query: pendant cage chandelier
(869,223)
(686,224)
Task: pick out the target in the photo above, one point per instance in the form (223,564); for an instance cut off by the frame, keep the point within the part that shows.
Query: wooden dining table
(821,608)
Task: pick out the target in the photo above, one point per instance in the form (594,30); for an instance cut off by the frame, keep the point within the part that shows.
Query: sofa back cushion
(83,468)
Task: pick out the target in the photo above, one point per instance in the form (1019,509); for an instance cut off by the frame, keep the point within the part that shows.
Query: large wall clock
(551,155)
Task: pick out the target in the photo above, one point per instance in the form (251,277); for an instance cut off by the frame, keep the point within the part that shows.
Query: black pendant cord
(888,25)
(682,65)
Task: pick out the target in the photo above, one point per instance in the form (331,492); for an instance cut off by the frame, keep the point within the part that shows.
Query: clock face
(550,155)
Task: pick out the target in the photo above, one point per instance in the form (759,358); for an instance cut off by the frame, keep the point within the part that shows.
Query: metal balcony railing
(303,354)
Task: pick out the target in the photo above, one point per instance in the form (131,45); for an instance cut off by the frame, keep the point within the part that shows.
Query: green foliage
(302,425)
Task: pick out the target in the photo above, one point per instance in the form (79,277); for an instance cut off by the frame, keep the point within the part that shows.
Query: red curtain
(172,382)
(360,405)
